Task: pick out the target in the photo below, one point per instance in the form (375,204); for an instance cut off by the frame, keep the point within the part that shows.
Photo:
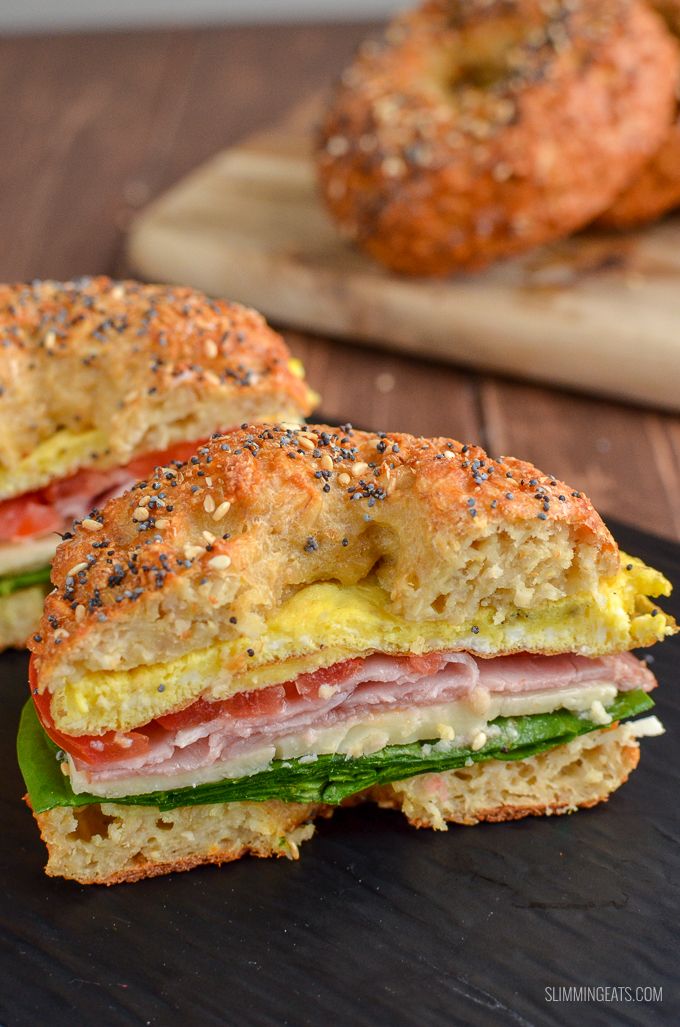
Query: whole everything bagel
(477,129)
(656,190)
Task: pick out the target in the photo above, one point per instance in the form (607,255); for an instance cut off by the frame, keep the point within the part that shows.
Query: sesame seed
(326,462)
(77,567)
(91,525)
(478,742)
(209,504)
(208,536)
(79,612)
(448,455)
(359,469)
(220,563)
(162,522)
(221,510)
(191,552)
(140,514)
(344,479)
(210,349)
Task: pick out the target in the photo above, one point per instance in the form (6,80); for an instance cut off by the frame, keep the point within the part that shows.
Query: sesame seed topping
(140,514)
(220,563)
(209,504)
(221,510)
(77,567)
(344,478)
(79,612)
(358,469)
(162,522)
(91,525)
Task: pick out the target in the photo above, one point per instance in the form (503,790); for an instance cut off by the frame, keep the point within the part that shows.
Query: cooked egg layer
(451,725)
(325,623)
(54,458)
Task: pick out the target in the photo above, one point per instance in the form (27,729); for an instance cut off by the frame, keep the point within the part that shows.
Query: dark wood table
(92,126)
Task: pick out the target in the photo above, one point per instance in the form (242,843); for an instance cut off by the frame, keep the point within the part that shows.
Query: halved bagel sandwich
(100,381)
(301,617)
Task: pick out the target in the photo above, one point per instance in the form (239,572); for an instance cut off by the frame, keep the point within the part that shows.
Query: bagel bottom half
(111,843)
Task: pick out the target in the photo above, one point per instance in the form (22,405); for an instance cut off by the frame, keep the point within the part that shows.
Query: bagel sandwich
(99,382)
(298,618)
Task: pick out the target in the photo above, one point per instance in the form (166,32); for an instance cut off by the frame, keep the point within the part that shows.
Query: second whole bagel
(656,190)
(477,129)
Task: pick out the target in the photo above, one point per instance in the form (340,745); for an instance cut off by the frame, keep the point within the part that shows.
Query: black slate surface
(377,923)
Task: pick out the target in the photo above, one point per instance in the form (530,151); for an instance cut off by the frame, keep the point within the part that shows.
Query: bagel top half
(276,551)
(475,129)
(95,372)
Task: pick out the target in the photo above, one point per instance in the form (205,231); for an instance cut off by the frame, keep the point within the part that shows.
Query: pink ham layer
(379,684)
(104,485)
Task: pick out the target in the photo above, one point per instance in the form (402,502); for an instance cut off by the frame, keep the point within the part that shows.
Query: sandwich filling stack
(100,382)
(301,617)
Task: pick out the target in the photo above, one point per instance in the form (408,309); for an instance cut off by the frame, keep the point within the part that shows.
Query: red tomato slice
(95,750)
(25,516)
(263,702)
(34,513)
(307,685)
(198,713)
(143,465)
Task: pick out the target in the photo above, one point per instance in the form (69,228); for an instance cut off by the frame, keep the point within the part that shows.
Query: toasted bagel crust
(136,367)
(580,774)
(656,190)
(435,522)
(476,129)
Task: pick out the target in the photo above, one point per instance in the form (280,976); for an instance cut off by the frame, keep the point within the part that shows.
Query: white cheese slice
(27,555)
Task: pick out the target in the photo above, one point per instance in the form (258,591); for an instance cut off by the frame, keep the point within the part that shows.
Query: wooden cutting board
(597,312)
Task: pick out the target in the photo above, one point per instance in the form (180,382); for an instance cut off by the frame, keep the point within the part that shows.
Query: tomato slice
(25,516)
(143,465)
(94,750)
(263,702)
(34,513)
(307,685)
(198,713)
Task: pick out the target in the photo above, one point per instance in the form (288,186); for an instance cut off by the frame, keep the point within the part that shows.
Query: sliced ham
(356,690)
